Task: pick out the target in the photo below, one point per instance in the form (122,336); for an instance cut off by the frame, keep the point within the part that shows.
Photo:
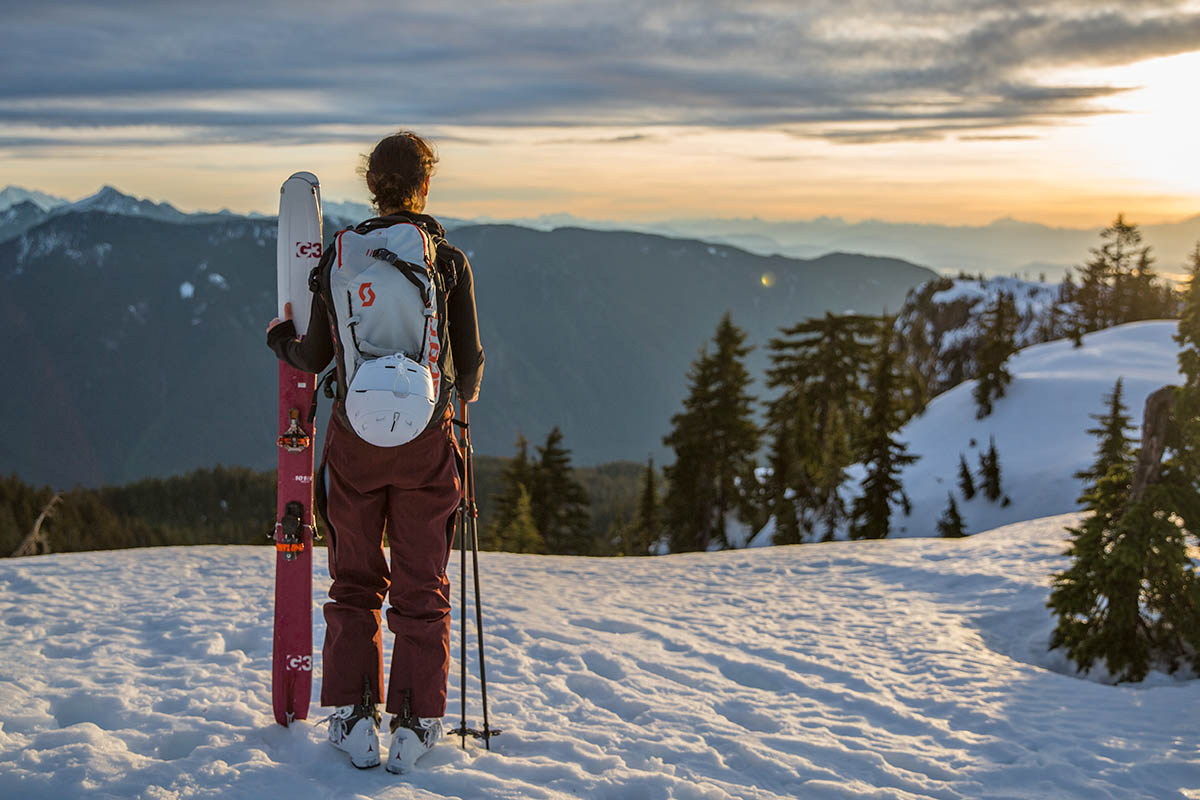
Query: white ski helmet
(390,400)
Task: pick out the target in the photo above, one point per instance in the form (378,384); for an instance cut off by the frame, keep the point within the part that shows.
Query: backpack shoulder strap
(446,262)
(318,278)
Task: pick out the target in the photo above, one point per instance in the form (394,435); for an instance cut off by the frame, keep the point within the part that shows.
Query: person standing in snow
(413,490)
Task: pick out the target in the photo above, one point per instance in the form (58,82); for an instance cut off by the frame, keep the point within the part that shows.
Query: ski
(298,250)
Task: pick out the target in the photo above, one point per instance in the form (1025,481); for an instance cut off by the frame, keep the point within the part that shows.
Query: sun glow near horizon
(1135,154)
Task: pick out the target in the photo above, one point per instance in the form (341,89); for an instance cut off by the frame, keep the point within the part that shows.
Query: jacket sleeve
(464,335)
(311,353)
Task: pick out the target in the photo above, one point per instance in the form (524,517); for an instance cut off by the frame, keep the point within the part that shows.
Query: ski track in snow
(909,668)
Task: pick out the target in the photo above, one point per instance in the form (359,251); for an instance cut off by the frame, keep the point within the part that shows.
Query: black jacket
(462,365)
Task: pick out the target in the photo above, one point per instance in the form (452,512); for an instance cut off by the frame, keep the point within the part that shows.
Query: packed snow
(911,668)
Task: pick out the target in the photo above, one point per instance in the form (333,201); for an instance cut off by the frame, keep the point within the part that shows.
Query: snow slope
(1040,426)
(896,669)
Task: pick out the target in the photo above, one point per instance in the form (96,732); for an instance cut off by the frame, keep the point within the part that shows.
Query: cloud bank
(138,73)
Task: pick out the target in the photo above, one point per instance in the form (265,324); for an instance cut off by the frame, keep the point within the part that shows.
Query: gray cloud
(899,69)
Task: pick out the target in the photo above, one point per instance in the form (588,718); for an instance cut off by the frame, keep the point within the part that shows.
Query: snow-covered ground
(1040,426)
(910,668)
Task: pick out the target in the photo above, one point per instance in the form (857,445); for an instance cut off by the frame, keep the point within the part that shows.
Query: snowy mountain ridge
(14,195)
(1039,427)
(939,324)
(110,200)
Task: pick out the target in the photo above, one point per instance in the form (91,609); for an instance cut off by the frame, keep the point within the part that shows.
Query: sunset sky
(949,111)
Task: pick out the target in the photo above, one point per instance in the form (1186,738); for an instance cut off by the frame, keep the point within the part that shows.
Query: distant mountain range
(137,344)
(1004,247)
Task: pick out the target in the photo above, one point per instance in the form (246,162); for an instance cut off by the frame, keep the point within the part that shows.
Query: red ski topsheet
(291,679)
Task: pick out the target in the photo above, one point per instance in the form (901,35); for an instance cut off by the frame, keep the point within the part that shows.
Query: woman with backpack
(394,308)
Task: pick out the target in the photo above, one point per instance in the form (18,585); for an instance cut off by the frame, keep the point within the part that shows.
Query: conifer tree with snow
(989,472)
(560,505)
(714,438)
(998,345)
(820,367)
(965,481)
(883,454)
(951,525)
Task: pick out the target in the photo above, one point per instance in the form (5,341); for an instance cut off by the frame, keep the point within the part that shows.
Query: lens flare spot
(768,279)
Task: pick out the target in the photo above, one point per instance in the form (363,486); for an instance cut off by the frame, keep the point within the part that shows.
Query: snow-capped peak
(14,195)
(110,200)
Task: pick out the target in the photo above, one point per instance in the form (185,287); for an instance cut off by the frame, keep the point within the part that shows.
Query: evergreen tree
(989,472)
(1114,257)
(821,368)
(784,475)
(1131,596)
(1118,284)
(518,533)
(965,482)
(645,530)
(884,455)
(515,479)
(560,505)
(1116,446)
(714,439)
(951,525)
(998,345)
(1186,439)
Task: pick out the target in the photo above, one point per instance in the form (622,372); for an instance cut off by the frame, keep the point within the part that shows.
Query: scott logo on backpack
(387,297)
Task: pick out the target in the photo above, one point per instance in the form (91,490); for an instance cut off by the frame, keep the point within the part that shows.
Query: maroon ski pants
(413,491)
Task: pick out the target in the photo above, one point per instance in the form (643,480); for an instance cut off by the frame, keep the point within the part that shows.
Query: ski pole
(473,520)
(461,524)
(470,528)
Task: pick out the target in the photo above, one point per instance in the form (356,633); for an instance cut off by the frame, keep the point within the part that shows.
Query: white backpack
(386,291)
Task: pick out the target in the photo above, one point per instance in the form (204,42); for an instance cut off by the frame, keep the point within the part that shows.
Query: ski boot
(412,737)
(355,730)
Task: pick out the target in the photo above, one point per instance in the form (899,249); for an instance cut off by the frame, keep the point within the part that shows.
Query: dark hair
(396,170)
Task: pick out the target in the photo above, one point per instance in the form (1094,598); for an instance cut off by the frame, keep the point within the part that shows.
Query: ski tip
(307,177)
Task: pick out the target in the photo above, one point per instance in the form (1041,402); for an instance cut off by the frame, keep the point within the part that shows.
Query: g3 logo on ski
(301,663)
(366,294)
(308,249)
